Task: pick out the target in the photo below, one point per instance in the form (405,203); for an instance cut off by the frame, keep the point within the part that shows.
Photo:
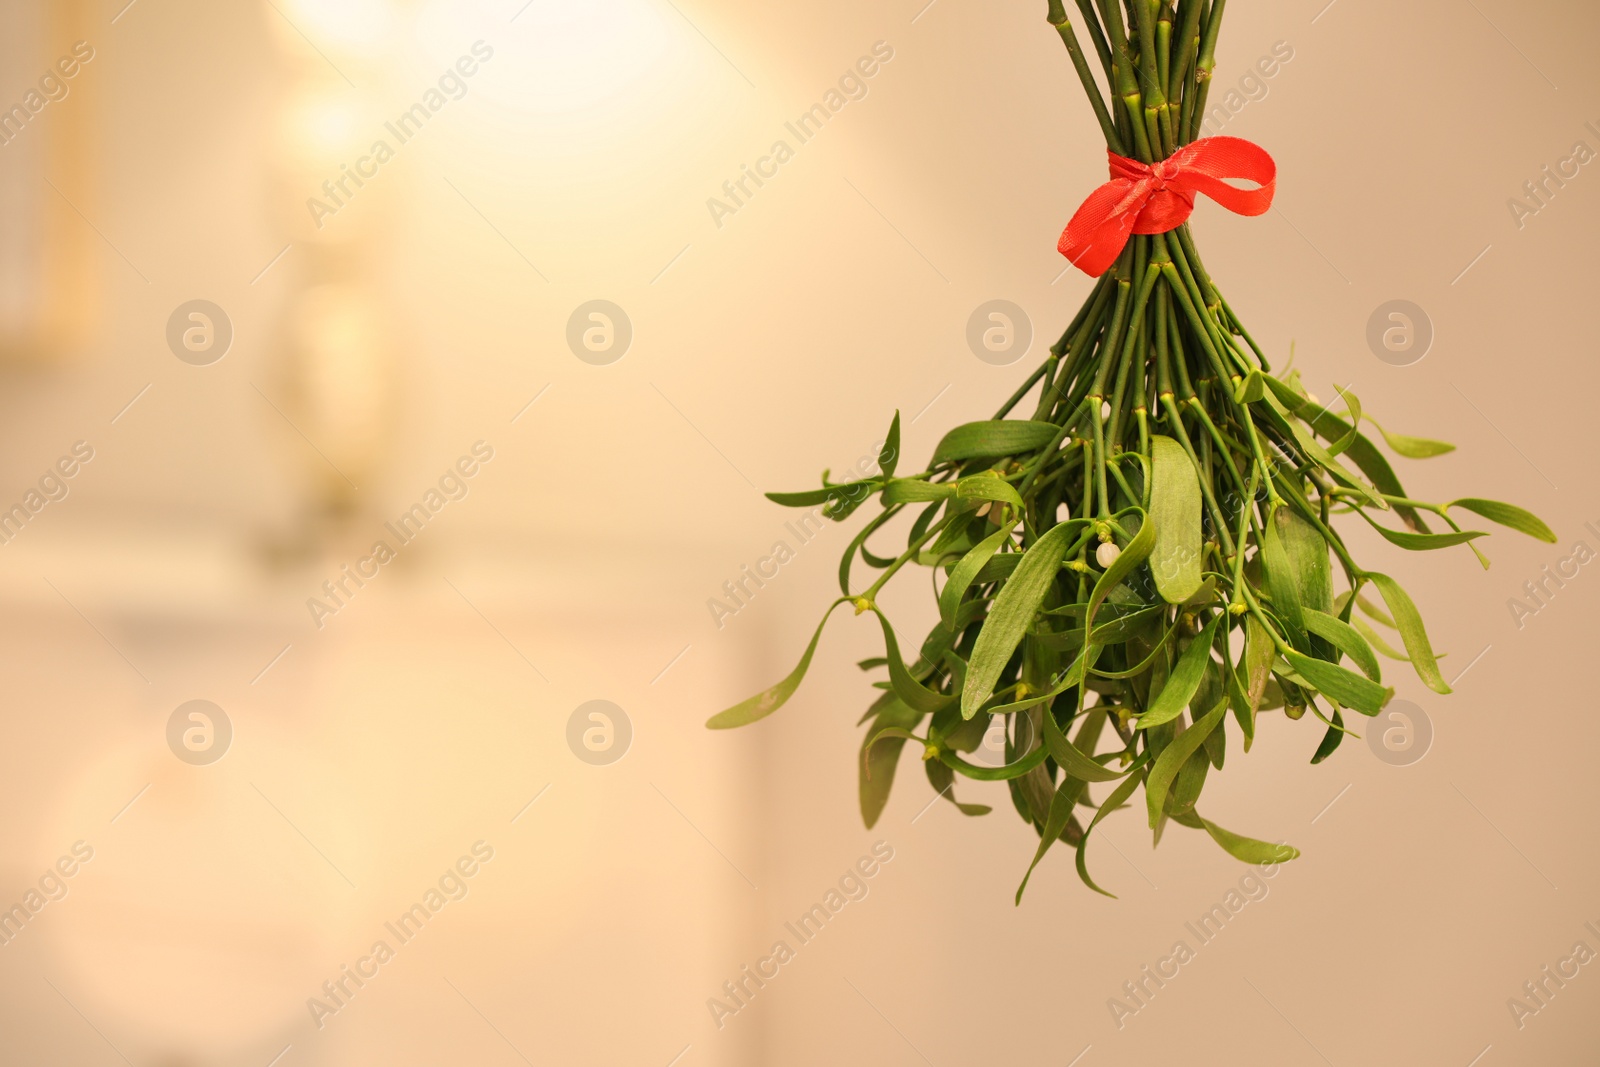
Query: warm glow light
(355,28)
(570,56)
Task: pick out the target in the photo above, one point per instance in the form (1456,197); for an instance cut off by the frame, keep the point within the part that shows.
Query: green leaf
(1251,389)
(1413,447)
(1072,759)
(1367,458)
(1372,611)
(1184,681)
(1175,511)
(1331,739)
(1507,515)
(1011,614)
(1006,773)
(988,486)
(768,701)
(1061,806)
(990,440)
(889,455)
(1346,639)
(1354,415)
(1419,542)
(1239,701)
(1066,796)
(904,685)
(812,497)
(1282,579)
(971,565)
(1249,849)
(1347,687)
(1309,556)
(1118,797)
(1135,553)
(943,780)
(916,491)
(881,758)
(1172,759)
(1311,447)
(1258,655)
(1192,775)
(1377,642)
(1409,622)
(1366,455)
(998,568)
(1123,627)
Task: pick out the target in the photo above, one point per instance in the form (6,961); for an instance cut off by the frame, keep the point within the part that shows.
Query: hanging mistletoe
(1152,550)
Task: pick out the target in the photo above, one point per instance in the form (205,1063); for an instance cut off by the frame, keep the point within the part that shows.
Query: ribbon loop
(1150,198)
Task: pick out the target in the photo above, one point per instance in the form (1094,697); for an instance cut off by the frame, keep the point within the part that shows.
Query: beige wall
(422,717)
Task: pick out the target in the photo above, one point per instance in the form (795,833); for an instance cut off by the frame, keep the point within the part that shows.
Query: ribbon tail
(1207,162)
(1099,231)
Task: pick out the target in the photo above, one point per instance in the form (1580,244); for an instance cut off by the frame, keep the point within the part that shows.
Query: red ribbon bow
(1157,197)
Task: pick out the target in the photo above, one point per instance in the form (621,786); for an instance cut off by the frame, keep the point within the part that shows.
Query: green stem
(1204,67)
(1058,18)
(907,556)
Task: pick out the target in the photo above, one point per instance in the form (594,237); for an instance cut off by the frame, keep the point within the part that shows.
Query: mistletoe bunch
(1148,559)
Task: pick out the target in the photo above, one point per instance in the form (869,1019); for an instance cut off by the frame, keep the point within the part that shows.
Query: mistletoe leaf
(1011,614)
(1184,681)
(770,700)
(990,440)
(1175,510)
(1409,622)
(1508,515)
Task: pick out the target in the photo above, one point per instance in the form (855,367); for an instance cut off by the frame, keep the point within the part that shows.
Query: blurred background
(527,292)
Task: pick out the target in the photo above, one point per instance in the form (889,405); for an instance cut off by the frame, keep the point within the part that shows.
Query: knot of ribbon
(1157,197)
